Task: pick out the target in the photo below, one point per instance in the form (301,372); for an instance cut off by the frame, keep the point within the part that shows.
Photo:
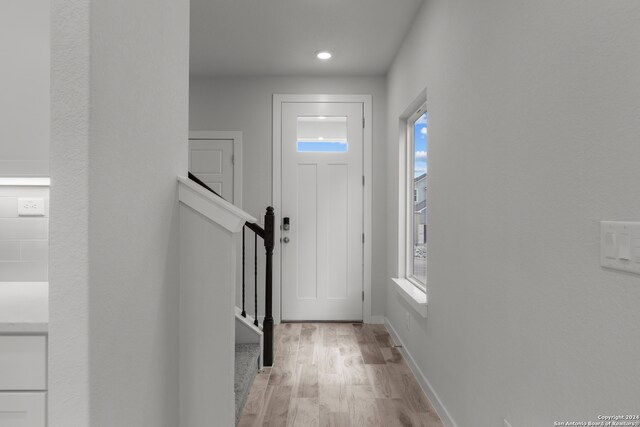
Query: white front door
(322,197)
(211,160)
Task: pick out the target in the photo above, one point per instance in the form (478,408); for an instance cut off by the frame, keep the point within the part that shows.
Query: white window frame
(413,291)
(409,176)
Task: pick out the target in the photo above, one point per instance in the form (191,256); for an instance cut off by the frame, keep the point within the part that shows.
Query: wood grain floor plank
(286,344)
(333,419)
(331,397)
(393,413)
(348,345)
(371,354)
(328,360)
(428,419)
(289,328)
(412,393)
(277,407)
(336,375)
(382,337)
(307,381)
(248,420)
(329,337)
(344,329)
(395,362)
(353,371)
(308,354)
(382,383)
(363,333)
(256,394)
(283,372)
(303,412)
(363,413)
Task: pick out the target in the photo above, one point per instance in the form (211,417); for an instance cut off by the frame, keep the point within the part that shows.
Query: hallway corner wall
(119,140)
(533,139)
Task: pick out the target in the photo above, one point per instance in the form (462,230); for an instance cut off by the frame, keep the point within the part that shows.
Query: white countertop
(7,328)
(24,307)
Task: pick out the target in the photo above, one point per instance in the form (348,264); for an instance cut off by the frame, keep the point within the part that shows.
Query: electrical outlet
(407,320)
(506,423)
(30,207)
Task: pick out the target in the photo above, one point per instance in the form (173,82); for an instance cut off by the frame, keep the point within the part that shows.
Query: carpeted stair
(247,366)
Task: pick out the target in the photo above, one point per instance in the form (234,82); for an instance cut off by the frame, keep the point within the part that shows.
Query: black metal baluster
(244,312)
(267,323)
(255,278)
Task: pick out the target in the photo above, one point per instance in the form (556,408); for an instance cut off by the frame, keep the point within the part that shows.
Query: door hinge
(363,122)
(363,180)
(363,238)
(362,295)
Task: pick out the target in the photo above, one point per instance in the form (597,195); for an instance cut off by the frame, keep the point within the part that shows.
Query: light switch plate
(620,246)
(30,207)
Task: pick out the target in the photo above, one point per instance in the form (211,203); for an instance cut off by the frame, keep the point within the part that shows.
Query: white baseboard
(422,379)
(376,320)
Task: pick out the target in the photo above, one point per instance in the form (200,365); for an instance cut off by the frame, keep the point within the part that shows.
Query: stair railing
(267,235)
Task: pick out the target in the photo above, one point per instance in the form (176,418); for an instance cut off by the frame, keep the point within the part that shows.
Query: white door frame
(366,101)
(196,135)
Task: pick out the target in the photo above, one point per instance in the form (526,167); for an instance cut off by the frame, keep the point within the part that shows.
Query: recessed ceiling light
(324,55)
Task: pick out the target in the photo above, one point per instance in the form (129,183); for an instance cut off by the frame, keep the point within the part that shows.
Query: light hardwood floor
(336,375)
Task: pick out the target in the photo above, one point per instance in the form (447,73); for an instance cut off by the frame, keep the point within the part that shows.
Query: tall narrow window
(417,209)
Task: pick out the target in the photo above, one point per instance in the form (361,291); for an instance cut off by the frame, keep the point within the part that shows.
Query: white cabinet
(23,409)
(23,364)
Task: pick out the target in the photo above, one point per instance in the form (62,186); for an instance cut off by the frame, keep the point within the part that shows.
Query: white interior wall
(24,87)
(120,124)
(533,139)
(245,104)
(24,240)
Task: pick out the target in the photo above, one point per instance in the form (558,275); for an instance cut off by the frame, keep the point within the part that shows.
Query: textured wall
(68,396)
(533,139)
(245,104)
(114,229)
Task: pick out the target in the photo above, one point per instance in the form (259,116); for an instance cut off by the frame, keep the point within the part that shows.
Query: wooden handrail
(197,180)
(256,229)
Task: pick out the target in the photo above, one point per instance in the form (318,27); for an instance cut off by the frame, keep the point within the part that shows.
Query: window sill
(416,298)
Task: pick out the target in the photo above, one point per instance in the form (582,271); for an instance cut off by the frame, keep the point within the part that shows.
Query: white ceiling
(281,37)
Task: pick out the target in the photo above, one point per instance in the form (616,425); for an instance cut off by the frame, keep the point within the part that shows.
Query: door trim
(195,135)
(366,101)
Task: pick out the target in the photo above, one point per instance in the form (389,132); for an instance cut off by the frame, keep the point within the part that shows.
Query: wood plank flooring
(336,375)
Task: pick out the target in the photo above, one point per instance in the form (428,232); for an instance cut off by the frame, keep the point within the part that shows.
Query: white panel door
(211,160)
(22,409)
(322,195)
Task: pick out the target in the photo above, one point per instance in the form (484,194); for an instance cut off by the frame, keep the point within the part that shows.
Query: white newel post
(207,304)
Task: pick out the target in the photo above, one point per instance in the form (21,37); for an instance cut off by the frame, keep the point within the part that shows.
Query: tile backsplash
(24,240)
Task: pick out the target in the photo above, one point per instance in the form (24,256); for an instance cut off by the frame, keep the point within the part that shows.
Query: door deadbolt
(285,239)
(286,223)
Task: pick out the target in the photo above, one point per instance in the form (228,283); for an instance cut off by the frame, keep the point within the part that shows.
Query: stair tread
(246,368)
